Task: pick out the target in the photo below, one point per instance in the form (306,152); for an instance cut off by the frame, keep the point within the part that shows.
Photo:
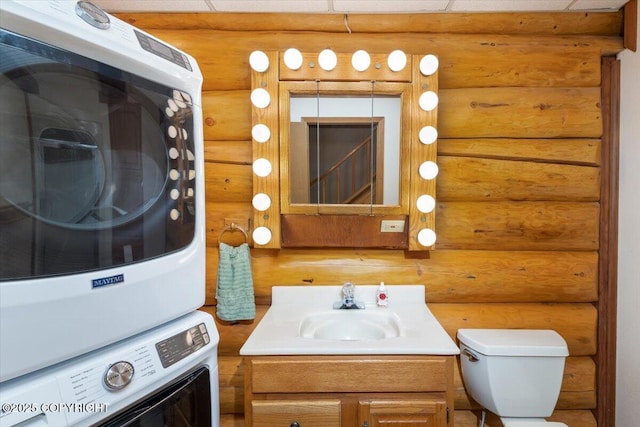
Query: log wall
(518,214)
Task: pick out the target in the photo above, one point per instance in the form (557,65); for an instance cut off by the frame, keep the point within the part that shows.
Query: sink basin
(301,321)
(351,325)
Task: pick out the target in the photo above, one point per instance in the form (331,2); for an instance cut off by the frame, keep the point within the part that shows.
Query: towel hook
(231,228)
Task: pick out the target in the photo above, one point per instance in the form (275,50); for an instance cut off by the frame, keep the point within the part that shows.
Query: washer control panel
(179,346)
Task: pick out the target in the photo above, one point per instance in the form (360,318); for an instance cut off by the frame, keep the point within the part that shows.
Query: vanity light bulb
(261,202)
(260,98)
(327,60)
(427,237)
(429,65)
(360,60)
(261,235)
(261,133)
(262,167)
(293,59)
(428,100)
(397,60)
(259,61)
(428,135)
(428,170)
(426,203)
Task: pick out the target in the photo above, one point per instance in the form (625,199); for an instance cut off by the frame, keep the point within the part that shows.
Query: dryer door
(96,164)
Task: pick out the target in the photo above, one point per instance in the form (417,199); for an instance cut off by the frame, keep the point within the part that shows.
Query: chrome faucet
(348,299)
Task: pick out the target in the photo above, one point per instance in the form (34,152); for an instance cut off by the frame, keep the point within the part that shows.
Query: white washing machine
(167,376)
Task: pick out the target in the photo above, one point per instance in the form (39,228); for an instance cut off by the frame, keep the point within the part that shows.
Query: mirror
(348,145)
(342,147)
(352,144)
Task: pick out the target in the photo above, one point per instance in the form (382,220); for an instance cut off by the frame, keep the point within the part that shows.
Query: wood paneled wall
(518,214)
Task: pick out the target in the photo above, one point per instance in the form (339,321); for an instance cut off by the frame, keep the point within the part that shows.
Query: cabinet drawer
(307,413)
(402,412)
(349,374)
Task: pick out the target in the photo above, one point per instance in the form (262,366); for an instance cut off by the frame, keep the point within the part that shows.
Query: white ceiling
(357,6)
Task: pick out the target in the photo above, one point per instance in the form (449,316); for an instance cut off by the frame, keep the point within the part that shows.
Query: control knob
(118,375)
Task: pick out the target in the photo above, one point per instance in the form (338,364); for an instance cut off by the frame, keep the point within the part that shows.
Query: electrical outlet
(392,226)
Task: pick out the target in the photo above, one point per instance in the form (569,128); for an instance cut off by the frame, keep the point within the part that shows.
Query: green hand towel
(234,289)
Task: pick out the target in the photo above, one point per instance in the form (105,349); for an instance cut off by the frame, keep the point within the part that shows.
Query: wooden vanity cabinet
(349,391)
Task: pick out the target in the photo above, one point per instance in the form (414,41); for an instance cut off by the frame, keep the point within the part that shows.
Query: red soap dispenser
(382,296)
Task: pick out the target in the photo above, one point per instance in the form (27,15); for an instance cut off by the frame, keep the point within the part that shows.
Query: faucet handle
(348,290)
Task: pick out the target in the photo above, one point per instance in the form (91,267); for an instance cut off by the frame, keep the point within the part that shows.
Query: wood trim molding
(608,270)
(630,25)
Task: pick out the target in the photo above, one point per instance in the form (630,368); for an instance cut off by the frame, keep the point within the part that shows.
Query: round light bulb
(327,60)
(426,203)
(427,237)
(428,135)
(428,100)
(293,59)
(397,60)
(429,65)
(360,60)
(260,98)
(428,170)
(261,133)
(261,202)
(262,167)
(259,61)
(261,235)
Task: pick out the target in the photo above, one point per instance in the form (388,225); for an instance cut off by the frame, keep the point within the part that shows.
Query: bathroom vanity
(308,365)
(332,391)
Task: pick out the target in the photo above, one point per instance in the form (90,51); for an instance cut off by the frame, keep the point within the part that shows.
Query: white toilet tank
(513,372)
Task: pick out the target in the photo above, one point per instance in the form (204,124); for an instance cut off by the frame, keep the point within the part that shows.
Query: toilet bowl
(534,422)
(514,373)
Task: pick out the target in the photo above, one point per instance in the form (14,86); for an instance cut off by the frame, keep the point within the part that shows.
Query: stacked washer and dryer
(102,226)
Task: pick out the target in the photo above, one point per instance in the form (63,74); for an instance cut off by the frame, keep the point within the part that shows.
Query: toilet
(514,373)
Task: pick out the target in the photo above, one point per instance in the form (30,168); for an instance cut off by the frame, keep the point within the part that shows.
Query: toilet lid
(514,342)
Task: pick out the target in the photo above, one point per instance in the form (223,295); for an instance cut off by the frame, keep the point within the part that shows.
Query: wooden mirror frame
(360,228)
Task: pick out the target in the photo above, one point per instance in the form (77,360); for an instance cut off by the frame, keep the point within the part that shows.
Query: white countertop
(278,333)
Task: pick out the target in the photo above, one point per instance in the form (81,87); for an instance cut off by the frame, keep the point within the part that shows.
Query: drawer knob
(295,424)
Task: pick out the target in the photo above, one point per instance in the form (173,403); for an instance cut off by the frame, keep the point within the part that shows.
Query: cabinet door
(402,413)
(296,413)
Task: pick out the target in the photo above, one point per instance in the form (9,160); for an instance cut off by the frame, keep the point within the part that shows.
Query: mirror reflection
(345,150)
